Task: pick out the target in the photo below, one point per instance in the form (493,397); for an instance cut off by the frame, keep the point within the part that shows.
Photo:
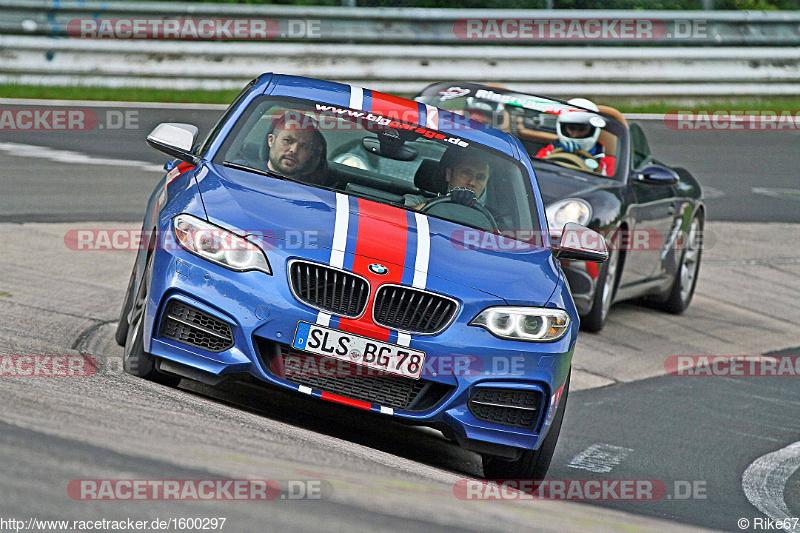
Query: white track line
(68,156)
(765,480)
(784,194)
(599,457)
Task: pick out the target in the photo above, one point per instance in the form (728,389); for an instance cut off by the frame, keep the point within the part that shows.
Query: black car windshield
(384,160)
(552,132)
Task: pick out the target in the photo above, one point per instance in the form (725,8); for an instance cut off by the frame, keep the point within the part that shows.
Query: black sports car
(596,169)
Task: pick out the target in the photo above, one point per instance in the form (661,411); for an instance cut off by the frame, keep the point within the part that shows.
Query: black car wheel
(121,334)
(595,319)
(532,464)
(682,290)
(135,360)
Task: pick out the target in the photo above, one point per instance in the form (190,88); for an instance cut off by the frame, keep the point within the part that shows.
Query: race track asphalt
(379,475)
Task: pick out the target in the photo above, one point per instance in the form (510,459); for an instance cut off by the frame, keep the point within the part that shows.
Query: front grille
(329,289)
(188,325)
(412,310)
(348,379)
(517,408)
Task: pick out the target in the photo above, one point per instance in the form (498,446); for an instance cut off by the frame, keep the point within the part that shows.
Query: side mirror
(579,243)
(657,175)
(174,139)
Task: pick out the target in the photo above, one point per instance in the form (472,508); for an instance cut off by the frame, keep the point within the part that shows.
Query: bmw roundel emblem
(379,269)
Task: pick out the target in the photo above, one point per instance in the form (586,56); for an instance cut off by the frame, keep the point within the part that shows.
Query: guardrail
(370,47)
(426,26)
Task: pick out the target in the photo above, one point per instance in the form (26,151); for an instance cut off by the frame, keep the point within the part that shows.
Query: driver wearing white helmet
(577,134)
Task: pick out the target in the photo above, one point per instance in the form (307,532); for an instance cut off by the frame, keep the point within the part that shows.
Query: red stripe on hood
(382,238)
(395,107)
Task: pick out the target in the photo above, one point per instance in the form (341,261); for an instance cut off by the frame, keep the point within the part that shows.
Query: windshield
(384,160)
(552,132)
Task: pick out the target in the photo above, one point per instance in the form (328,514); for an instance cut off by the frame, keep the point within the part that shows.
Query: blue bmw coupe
(419,285)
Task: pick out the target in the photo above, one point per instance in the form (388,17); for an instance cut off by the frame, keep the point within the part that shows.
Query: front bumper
(263,314)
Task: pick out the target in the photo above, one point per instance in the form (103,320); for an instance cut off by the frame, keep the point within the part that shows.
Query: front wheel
(682,290)
(135,360)
(121,334)
(595,319)
(532,464)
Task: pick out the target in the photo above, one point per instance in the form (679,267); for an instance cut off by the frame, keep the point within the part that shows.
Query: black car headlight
(569,210)
(218,245)
(532,324)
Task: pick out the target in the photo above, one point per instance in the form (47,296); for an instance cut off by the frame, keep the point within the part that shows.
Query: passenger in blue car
(297,149)
(465,175)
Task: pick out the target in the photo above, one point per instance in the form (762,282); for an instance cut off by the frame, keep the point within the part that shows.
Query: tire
(682,290)
(595,319)
(122,326)
(532,464)
(135,360)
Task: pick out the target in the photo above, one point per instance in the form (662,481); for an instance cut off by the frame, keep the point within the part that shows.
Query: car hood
(558,183)
(305,216)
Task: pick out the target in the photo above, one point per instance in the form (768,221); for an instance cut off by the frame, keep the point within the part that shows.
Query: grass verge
(625,104)
(132,94)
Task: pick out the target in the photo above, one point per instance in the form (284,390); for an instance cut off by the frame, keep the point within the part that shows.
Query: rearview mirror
(579,243)
(388,146)
(174,139)
(657,175)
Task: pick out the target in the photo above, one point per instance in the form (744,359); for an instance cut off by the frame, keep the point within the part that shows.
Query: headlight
(534,324)
(352,160)
(569,210)
(217,245)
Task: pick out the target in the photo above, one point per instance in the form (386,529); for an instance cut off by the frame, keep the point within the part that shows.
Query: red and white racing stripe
(346,401)
(431,117)
(339,243)
(375,241)
(394,107)
(421,261)
(356,98)
(382,236)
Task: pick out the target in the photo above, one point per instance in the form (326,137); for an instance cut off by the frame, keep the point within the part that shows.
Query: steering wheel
(475,205)
(571,160)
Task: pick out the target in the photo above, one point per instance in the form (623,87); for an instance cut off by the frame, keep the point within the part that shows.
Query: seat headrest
(429,178)
(263,152)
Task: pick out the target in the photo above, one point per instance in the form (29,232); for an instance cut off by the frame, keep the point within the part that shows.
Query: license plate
(390,358)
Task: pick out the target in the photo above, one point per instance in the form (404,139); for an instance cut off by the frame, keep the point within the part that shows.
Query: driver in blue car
(466,175)
(578,135)
(297,148)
